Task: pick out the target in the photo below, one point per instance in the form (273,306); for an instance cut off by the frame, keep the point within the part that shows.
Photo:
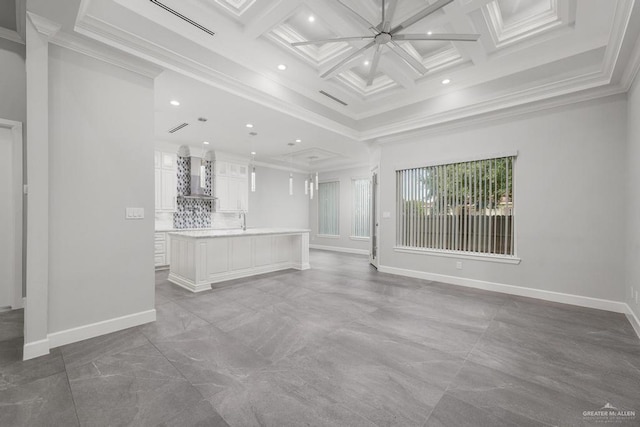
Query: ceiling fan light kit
(384,35)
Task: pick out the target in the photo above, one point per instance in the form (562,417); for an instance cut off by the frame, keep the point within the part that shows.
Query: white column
(38,32)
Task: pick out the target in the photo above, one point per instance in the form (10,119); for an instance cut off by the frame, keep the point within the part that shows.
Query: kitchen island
(200,258)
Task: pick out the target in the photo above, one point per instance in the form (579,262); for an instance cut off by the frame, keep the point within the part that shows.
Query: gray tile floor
(339,345)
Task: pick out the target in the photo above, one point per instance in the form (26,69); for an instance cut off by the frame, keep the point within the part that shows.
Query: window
(328,208)
(461,207)
(360,215)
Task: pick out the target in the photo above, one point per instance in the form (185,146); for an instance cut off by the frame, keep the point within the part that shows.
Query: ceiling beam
(398,72)
(270,18)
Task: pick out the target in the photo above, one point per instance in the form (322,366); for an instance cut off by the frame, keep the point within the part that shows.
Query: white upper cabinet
(166,180)
(231,186)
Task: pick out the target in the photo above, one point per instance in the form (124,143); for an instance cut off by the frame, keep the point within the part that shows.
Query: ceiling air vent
(340,101)
(181,16)
(177,128)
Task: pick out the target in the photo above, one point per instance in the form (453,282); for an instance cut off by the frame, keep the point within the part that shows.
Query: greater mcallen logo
(609,413)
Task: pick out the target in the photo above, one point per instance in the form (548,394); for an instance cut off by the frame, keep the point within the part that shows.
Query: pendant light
(306,187)
(253,172)
(291,144)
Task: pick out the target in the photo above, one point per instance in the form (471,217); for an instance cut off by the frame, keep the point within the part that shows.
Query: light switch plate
(386,215)
(134,213)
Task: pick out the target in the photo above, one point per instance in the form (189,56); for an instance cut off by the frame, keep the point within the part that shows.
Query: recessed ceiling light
(366,62)
(205,142)
(312,18)
(249,125)
(446,81)
(282,67)
(298,140)
(253,153)
(429,33)
(175,103)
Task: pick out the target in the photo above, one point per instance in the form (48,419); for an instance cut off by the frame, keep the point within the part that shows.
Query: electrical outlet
(459,265)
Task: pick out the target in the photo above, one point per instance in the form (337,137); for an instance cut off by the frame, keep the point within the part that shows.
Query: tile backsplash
(192,213)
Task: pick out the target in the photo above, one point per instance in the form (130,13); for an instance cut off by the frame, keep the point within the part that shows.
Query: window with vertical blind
(458,207)
(329,208)
(361,209)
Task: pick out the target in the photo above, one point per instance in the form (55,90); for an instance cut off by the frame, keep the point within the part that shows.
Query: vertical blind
(466,207)
(361,212)
(328,208)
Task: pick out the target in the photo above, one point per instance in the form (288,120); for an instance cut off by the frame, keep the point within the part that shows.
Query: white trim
(633,319)
(106,54)
(460,255)
(92,330)
(16,232)
(360,238)
(231,275)
(340,249)
(10,35)
(35,349)
(187,284)
(328,236)
(559,297)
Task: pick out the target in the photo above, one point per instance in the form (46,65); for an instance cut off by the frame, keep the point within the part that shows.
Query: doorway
(10,215)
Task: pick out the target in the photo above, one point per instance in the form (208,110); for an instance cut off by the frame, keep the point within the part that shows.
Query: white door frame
(15,205)
(374,252)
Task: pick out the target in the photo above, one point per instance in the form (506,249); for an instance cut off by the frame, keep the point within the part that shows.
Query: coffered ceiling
(529,52)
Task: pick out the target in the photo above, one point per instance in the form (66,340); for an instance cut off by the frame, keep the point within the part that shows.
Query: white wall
(632,200)
(272,206)
(570,200)
(344,241)
(101,151)
(13,81)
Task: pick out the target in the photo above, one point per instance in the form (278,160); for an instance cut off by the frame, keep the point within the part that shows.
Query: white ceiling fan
(384,34)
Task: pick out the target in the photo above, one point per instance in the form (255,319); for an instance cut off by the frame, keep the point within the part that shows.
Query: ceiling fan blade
(398,50)
(442,36)
(359,17)
(374,65)
(347,59)
(388,17)
(420,15)
(340,39)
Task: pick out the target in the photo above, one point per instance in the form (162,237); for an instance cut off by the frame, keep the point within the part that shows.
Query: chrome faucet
(243,215)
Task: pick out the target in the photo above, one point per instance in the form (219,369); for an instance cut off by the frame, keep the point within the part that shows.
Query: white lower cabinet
(162,250)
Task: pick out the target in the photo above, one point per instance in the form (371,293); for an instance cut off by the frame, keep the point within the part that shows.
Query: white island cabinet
(200,258)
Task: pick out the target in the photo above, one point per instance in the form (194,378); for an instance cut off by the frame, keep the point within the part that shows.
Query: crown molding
(44,26)
(106,54)
(507,113)
(11,35)
(110,35)
(622,21)
(542,95)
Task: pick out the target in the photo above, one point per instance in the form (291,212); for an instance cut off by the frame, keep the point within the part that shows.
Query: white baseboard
(340,249)
(92,330)
(600,304)
(35,349)
(633,319)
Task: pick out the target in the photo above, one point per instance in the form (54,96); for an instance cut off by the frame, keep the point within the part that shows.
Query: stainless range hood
(198,180)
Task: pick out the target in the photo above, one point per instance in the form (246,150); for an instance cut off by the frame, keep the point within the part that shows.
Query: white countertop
(238,232)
